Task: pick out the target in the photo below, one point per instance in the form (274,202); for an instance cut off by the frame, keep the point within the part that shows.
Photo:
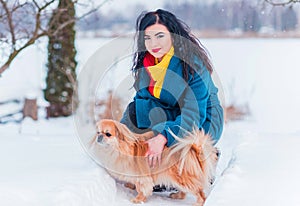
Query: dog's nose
(100,138)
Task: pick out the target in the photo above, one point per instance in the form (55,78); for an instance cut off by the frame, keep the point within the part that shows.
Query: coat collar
(172,88)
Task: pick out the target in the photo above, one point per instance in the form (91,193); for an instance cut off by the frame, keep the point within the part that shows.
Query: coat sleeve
(128,115)
(193,105)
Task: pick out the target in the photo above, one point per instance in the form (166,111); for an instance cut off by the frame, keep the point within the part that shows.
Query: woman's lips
(155,50)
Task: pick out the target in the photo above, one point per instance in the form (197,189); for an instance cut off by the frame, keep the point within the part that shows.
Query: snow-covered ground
(44,162)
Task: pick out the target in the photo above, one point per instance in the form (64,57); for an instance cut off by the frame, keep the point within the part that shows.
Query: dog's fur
(189,165)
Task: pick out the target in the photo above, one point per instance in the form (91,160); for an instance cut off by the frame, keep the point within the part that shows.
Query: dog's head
(110,132)
(106,132)
(117,136)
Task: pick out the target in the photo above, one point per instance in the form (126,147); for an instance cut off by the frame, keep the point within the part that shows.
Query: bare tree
(282,2)
(23,22)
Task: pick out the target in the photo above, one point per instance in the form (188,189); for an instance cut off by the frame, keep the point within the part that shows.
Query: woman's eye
(146,38)
(160,36)
(107,134)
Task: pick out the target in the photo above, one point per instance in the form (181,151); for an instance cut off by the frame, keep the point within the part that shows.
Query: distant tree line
(247,16)
(230,15)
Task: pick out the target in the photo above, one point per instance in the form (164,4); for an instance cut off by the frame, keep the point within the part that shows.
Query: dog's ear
(123,132)
(118,132)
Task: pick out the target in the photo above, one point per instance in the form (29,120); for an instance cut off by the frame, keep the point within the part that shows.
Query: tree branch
(13,9)
(37,31)
(285,3)
(94,10)
(10,23)
(17,51)
(77,18)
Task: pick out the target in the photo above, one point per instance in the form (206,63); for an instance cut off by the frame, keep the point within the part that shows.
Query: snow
(45,162)
(42,163)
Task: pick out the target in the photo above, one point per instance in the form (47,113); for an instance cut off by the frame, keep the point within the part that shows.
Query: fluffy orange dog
(189,165)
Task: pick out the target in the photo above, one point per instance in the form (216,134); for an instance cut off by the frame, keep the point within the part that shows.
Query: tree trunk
(61,86)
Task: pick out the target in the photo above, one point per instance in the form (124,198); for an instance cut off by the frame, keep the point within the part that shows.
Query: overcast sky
(124,6)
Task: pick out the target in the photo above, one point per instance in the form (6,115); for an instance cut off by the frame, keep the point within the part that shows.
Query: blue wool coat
(182,104)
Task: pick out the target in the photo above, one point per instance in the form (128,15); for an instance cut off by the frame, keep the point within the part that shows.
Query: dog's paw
(198,204)
(178,195)
(138,200)
(129,185)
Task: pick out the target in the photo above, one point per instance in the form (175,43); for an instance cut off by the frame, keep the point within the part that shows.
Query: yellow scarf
(158,72)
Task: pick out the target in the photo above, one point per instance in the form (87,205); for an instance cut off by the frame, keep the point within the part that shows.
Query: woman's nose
(153,42)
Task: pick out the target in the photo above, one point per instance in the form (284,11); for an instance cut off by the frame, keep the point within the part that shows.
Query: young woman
(174,88)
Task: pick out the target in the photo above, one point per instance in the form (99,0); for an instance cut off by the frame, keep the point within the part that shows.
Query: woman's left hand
(156,146)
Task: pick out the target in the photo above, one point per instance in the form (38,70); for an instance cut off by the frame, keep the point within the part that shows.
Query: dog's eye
(98,132)
(107,134)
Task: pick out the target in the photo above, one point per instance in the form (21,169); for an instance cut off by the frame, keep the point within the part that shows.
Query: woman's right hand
(155,149)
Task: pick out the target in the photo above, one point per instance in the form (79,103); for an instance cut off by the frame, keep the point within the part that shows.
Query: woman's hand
(156,146)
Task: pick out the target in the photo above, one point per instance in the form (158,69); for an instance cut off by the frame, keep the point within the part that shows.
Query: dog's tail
(200,143)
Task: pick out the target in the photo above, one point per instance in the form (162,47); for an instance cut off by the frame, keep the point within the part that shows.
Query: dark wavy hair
(186,45)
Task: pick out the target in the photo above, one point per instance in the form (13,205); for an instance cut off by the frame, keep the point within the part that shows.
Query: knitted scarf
(157,71)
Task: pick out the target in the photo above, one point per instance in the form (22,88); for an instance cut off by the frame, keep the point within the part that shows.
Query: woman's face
(158,40)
